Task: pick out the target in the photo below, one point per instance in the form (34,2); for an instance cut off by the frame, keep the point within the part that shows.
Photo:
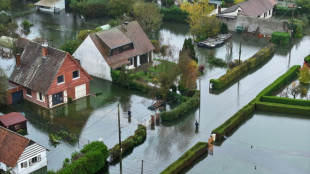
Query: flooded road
(95,117)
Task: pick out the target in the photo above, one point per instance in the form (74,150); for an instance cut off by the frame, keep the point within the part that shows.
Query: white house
(124,45)
(50,5)
(253,8)
(19,154)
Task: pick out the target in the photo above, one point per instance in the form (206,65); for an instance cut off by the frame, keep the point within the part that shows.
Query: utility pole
(199,97)
(120,141)
(142,168)
(239,53)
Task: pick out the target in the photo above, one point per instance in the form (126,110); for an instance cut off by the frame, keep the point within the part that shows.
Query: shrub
(261,56)
(167,3)
(128,144)
(115,75)
(307,59)
(283,108)
(184,107)
(156,46)
(174,13)
(224,28)
(26,25)
(280,38)
(71,46)
(288,101)
(189,156)
(284,11)
(217,62)
(90,8)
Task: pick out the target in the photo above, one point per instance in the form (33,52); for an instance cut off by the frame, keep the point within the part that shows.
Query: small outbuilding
(13,121)
(50,5)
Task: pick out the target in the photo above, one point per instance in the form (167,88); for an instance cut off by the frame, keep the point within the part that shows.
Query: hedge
(283,108)
(187,158)
(284,11)
(174,13)
(261,56)
(128,144)
(280,38)
(307,59)
(91,159)
(184,107)
(284,100)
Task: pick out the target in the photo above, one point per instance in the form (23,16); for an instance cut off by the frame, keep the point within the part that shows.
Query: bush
(283,108)
(90,8)
(187,158)
(284,11)
(257,59)
(224,28)
(71,46)
(167,3)
(280,38)
(26,25)
(283,100)
(307,59)
(128,144)
(174,13)
(92,158)
(156,46)
(217,62)
(184,107)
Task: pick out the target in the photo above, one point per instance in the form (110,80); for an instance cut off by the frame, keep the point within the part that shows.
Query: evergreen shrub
(174,13)
(280,38)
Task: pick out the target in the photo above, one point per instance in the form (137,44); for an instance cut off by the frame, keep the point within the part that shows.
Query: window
(269,12)
(75,74)
(17,127)
(24,164)
(29,92)
(265,14)
(127,47)
(40,96)
(57,98)
(131,61)
(60,79)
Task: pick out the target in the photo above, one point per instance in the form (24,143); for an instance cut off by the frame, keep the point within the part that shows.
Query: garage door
(17,96)
(80,91)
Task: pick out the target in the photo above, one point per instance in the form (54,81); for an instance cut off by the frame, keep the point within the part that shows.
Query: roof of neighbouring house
(252,7)
(21,42)
(119,36)
(12,146)
(47,3)
(12,118)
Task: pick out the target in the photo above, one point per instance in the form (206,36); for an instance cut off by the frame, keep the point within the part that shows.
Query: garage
(80,91)
(17,96)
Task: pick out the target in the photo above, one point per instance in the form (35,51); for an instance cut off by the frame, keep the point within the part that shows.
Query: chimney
(44,50)
(219,11)
(17,57)
(126,23)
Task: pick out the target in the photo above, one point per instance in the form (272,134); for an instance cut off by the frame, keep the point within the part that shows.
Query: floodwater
(280,142)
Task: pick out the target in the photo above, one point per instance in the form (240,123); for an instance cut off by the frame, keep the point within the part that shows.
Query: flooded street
(281,143)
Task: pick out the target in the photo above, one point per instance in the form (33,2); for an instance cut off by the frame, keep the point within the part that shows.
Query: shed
(13,121)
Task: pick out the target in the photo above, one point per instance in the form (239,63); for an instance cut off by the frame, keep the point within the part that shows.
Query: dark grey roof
(37,73)
(232,8)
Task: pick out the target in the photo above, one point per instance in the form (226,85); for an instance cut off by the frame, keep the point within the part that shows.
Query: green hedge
(280,38)
(284,11)
(261,56)
(187,158)
(128,144)
(288,101)
(174,13)
(283,108)
(307,59)
(91,159)
(184,107)
(280,82)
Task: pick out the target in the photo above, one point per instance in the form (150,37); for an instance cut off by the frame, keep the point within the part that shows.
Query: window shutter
(43,98)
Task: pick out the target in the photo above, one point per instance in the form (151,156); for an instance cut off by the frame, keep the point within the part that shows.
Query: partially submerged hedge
(261,56)
(283,108)
(280,38)
(284,100)
(307,59)
(184,107)
(91,159)
(128,144)
(174,13)
(187,158)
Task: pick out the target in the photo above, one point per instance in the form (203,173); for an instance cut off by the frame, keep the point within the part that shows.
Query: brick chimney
(44,50)
(219,9)
(17,57)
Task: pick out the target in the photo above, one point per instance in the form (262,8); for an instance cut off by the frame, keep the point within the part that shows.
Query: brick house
(47,76)
(13,121)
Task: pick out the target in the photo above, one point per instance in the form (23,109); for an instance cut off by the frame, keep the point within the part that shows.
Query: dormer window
(121,49)
(60,79)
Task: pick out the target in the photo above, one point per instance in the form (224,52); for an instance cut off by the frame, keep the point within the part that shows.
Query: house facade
(125,45)
(47,76)
(50,5)
(13,121)
(254,8)
(19,154)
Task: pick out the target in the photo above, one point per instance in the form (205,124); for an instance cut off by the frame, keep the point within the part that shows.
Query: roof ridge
(15,133)
(49,46)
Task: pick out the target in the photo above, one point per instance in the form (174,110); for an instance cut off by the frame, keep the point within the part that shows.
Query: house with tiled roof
(19,154)
(47,76)
(125,45)
(253,8)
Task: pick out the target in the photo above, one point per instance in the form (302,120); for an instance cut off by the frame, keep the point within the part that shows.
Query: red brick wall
(34,99)
(67,69)
(9,93)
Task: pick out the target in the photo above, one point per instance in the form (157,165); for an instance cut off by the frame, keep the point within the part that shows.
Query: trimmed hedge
(307,59)
(184,107)
(280,38)
(288,101)
(283,108)
(128,144)
(174,13)
(284,11)
(187,158)
(91,159)
(261,56)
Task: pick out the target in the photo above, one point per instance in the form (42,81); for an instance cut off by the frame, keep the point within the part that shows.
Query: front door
(135,61)
(17,96)
(57,98)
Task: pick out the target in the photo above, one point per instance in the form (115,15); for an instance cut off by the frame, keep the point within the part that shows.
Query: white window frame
(61,82)
(24,164)
(27,92)
(78,76)
(38,97)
